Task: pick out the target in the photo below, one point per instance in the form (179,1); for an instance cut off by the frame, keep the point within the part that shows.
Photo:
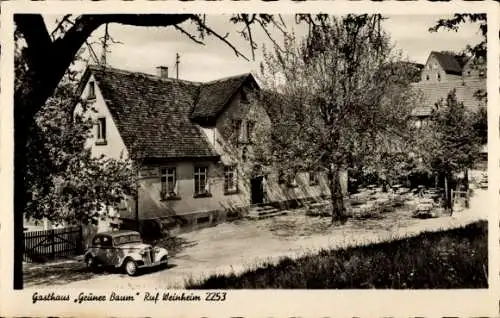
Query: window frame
(197,174)
(166,193)
(230,173)
(313,181)
(237,128)
(101,131)
(91,90)
(250,130)
(292,181)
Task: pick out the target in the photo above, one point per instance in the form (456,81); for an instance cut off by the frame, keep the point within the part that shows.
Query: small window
(250,130)
(281,177)
(106,241)
(96,241)
(200,181)
(439,76)
(244,153)
(91,91)
(313,178)
(292,180)
(101,130)
(468,72)
(230,180)
(168,182)
(427,77)
(237,129)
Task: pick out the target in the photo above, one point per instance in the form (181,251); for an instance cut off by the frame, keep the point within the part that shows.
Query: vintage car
(123,249)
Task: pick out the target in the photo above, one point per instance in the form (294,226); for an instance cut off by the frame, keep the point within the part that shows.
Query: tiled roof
(215,95)
(448,62)
(433,92)
(152,114)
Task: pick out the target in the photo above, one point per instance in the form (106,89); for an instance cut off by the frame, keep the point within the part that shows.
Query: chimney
(162,71)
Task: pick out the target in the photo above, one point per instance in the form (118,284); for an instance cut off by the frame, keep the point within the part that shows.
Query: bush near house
(455,258)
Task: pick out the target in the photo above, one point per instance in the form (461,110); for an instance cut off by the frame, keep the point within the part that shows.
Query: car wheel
(91,263)
(130,267)
(164,261)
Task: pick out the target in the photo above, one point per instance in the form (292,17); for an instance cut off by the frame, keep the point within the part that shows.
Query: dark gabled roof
(433,92)
(449,62)
(152,114)
(215,95)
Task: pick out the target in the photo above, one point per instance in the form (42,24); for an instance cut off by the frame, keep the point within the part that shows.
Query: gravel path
(235,247)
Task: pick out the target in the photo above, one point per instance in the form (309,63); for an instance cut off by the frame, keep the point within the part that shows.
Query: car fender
(162,252)
(87,254)
(135,256)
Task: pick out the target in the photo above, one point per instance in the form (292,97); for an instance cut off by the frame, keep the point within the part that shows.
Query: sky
(143,49)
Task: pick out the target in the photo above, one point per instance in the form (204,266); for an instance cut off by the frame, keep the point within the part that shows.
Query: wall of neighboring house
(152,205)
(433,72)
(235,148)
(112,146)
(471,72)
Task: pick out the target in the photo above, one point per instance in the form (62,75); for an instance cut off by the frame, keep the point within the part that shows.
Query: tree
(449,143)
(67,184)
(453,24)
(64,182)
(339,98)
(47,60)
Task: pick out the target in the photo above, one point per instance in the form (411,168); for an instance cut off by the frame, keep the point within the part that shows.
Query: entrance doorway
(257,190)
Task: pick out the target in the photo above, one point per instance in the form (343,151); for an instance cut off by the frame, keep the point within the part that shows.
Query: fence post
(79,245)
(53,243)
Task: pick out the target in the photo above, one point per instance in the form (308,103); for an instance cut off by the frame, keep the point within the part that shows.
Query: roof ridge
(227,78)
(148,75)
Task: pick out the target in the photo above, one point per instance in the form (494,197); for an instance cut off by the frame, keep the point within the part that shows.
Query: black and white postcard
(207,159)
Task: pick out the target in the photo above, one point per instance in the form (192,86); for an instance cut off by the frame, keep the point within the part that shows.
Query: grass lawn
(455,258)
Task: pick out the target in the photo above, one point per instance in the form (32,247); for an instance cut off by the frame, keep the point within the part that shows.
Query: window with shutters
(237,129)
(250,131)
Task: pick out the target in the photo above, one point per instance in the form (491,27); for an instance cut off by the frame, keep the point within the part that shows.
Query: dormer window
(101,131)
(91,90)
(250,131)
(236,123)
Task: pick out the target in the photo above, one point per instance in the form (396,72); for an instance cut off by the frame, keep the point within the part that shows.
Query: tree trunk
(338,208)
(21,129)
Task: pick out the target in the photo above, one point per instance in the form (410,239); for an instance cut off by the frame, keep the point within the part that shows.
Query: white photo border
(257,303)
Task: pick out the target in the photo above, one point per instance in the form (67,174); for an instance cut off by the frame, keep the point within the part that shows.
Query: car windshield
(129,238)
